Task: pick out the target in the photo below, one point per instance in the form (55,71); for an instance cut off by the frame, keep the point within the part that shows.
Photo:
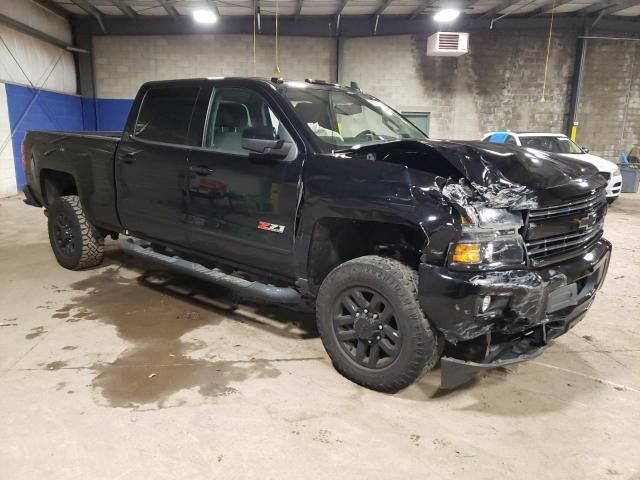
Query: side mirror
(265,141)
(584,148)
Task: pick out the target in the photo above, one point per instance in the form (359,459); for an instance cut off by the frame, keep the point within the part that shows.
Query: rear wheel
(74,241)
(372,326)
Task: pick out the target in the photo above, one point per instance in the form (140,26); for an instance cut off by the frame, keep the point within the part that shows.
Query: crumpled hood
(501,175)
(489,164)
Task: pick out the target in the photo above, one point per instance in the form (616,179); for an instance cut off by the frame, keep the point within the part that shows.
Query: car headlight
(489,239)
(616,172)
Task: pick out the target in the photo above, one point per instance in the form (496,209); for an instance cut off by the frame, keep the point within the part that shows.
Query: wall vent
(448,44)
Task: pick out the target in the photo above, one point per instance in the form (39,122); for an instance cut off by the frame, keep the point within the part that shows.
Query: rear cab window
(165,114)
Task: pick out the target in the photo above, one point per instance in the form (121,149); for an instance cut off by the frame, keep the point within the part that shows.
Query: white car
(563,146)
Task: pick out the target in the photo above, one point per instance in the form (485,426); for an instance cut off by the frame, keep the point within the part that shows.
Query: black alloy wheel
(372,326)
(75,242)
(366,327)
(63,234)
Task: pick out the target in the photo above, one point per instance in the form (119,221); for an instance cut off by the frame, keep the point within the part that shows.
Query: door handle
(129,157)
(201,171)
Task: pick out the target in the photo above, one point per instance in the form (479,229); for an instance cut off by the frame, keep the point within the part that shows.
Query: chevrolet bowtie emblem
(585,222)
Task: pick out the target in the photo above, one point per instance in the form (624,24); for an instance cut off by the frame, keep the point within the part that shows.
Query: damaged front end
(520,256)
(525,266)
(490,319)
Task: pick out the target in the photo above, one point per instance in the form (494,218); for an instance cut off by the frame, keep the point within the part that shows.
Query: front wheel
(610,200)
(372,326)
(74,241)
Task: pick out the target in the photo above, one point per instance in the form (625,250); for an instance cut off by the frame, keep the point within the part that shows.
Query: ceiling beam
(603,8)
(169,8)
(343,3)
(595,7)
(351,26)
(382,7)
(126,9)
(620,6)
(498,8)
(548,7)
(91,10)
(420,9)
(54,8)
(213,6)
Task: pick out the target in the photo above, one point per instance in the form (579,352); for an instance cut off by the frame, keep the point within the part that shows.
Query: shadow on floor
(285,321)
(156,313)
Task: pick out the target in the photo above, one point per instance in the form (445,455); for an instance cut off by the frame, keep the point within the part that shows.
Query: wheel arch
(56,183)
(335,240)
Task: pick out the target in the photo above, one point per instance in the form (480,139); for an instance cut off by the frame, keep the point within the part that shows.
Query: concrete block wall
(609,114)
(498,85)
(122,64)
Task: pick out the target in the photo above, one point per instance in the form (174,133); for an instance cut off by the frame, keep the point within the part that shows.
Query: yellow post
(574,131)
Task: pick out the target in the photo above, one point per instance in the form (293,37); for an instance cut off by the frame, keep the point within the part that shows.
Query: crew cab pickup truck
(307,193)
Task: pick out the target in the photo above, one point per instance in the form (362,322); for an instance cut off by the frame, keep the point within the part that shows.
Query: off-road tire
(397,283)
(88,244)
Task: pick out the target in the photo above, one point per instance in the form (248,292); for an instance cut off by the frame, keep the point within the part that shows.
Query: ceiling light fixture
(204,16)
(446,15)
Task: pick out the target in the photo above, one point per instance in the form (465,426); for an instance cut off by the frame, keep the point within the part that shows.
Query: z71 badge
(270,227)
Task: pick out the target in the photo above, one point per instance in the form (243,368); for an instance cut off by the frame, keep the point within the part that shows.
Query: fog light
(486,301)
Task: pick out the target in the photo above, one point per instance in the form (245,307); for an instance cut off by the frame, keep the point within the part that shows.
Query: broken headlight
(490,239)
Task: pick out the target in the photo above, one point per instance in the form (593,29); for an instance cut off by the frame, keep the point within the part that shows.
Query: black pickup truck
(411,250)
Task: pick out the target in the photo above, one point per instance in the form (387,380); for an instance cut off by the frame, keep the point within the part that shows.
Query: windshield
(344,119)
(551,144)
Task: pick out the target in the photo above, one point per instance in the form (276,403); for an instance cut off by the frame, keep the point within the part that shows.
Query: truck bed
(88,157)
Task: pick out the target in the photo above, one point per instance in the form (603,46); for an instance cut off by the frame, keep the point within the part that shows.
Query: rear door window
(165,114)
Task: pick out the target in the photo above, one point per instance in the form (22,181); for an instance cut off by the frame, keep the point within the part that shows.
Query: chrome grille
(585,203)
(582,221)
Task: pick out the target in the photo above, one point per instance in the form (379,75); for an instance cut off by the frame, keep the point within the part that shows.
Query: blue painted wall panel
(89,116)
(112,114)
(30,109)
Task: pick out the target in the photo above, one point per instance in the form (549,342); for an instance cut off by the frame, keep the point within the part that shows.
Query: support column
(339,58)
(576,83)
(84,74)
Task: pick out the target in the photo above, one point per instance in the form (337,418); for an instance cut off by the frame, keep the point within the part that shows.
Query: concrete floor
(128,372)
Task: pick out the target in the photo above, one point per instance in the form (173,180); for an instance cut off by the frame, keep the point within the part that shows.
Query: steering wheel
(366,133)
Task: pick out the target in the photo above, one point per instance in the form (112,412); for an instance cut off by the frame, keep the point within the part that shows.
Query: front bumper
(614,186)
(527,309)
